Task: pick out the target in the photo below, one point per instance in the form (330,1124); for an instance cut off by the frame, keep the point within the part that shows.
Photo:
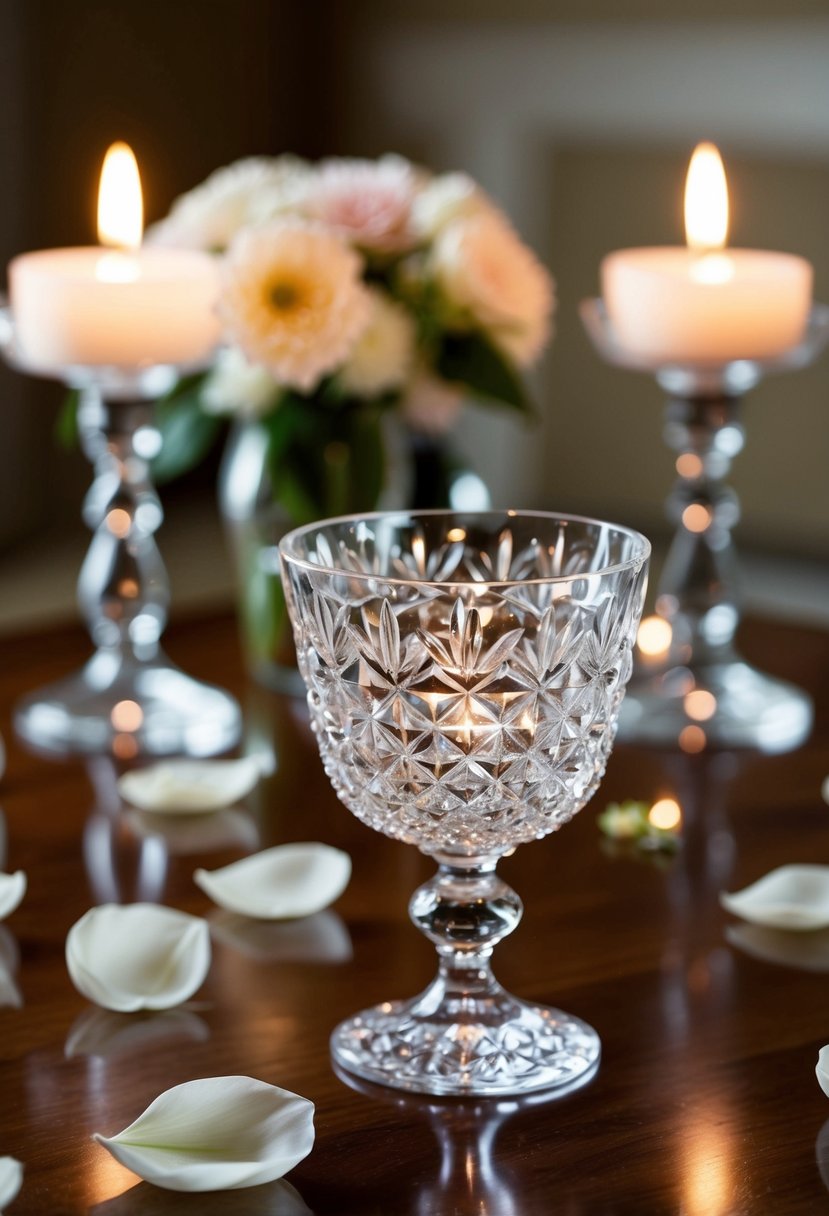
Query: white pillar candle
(124,307)
(704,304)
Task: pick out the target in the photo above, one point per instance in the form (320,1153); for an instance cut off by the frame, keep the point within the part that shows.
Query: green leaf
(187,433)
(472,360)
(66,424)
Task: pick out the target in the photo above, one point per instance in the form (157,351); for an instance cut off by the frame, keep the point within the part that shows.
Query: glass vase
(255,520)
(421,471)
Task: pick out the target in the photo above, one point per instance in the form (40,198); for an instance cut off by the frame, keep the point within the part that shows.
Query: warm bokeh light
(700,705)
(654,636)
(692,739)
(120,205)
(126,716)
(689,465)
(706,200)
(119,522)
(665,814)
(696,517)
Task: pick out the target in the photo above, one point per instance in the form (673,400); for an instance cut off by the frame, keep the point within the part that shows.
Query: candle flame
(706,200)
(120,206)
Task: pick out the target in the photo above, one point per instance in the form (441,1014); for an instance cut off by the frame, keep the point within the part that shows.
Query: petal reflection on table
(102,1033)
(805,951)
(322,938)
(186,834)
(274,1199)
(10,995)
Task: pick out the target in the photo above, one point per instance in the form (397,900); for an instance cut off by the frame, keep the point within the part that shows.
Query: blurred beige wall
(581,124)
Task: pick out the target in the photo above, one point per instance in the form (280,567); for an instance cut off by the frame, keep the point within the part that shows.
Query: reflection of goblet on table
(465,674)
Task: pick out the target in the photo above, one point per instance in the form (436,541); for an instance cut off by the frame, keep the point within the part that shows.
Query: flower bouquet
(352,291)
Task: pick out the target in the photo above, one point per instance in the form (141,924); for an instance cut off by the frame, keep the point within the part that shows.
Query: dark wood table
(705,1103)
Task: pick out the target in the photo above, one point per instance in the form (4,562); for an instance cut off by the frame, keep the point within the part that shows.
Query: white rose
(247,192)
(236,386)
(487,274)
(451,196)
(381,359)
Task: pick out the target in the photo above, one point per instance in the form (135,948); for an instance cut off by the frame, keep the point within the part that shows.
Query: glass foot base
(497,1046)
(743,709)
(129,709)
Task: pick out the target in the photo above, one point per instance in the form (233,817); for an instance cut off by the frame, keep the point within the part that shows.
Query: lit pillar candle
(705,304)
(114,304)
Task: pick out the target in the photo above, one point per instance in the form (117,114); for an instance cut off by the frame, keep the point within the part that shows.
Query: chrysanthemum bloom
(293,300)
(368,202)
(246,192)
(235,386)
(383,354)
(484,270)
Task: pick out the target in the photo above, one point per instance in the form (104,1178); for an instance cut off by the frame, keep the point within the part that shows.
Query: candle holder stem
(122,590)
(699,691)
(698,591)
(129,699)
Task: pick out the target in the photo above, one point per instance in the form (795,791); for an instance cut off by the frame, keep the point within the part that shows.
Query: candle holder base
(130,709)
(744,708)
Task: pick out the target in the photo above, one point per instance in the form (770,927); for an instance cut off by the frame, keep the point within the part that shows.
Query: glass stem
(465,910)
(122,590)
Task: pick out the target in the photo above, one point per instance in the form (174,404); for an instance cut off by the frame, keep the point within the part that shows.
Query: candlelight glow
(654,636)
(120,205)
(706,200)
(665,814)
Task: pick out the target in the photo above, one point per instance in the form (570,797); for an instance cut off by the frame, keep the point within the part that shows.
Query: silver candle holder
(129,699)
(692,688)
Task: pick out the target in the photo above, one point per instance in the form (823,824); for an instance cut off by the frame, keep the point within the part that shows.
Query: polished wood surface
(705,1103)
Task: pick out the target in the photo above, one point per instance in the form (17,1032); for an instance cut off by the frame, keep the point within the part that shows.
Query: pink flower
(492,278)
(293,300)
(367,202)
(431,405)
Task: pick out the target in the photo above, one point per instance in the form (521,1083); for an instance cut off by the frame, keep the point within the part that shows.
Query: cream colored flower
(381,359)
(293,300)
(485,271)
(236,386)
(367,202)
(431,405)
(448,197)
(246,192)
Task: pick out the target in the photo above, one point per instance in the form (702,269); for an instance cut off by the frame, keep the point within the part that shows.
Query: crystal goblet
(464,677)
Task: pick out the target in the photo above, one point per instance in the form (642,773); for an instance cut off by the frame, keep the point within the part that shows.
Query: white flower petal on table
(11,1180)
(138,956)
(180,787)
(216,1133)
(288,881)
(792,897)
(12,890)
(822,1069)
